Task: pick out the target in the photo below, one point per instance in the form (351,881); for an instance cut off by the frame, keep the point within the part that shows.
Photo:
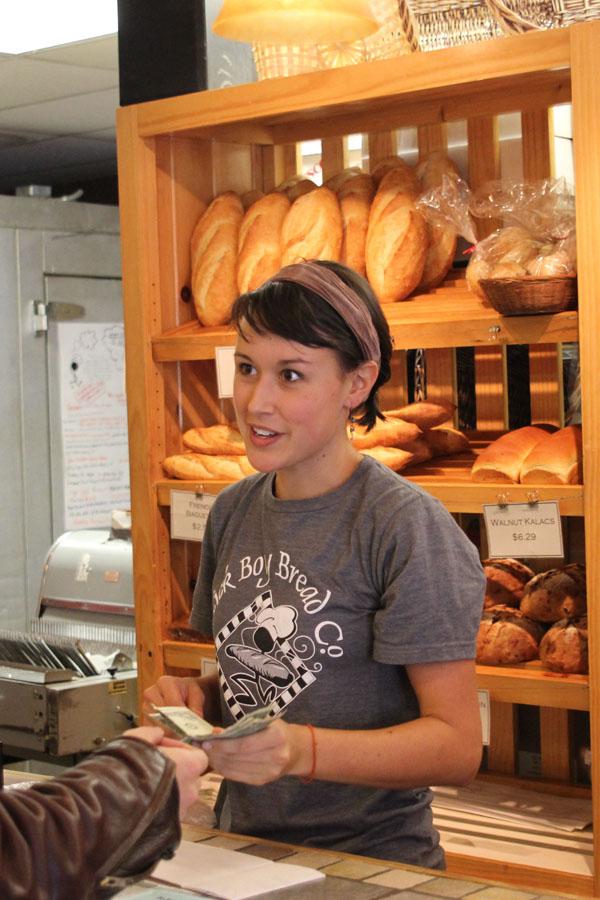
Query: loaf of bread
(556,594)
(431,172)
(250,197)
(507,637)
(397,239)
(424,413)
(557,459)
(312,228)
(446,441)
(214,249)
(512,244)
(389,433)
(506,579)
(259,248)
(393,457)
(564,647)
(503,459)
(215,440)
(355,195)
(409,174)
(202,467)
(336,181)
(296,186)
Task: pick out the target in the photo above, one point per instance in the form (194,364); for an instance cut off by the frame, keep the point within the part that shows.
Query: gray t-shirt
(316,606)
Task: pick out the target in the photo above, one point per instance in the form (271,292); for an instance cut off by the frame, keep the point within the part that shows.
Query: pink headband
(330,287)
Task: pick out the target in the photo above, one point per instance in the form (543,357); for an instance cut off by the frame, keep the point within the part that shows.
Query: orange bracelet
(313,740)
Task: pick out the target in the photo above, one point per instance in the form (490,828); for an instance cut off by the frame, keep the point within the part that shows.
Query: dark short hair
(294,312)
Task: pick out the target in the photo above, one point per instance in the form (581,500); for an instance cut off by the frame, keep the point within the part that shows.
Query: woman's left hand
(280,749)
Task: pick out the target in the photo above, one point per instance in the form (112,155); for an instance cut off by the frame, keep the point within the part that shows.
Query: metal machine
(69,684)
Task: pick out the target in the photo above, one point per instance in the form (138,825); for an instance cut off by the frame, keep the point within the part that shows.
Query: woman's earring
(353,420)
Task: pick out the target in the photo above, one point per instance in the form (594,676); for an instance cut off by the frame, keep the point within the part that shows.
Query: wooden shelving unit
(176,154)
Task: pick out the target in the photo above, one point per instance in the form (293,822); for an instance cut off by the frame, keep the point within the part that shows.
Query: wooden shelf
(450,316)
(529,684)
(447,479)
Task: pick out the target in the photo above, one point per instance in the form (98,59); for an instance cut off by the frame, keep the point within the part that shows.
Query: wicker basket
(397,35)
(530,295)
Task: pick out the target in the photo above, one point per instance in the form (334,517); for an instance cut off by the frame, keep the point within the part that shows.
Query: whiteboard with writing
(93,422)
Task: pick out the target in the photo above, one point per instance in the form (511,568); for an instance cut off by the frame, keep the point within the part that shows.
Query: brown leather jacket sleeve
(87,833)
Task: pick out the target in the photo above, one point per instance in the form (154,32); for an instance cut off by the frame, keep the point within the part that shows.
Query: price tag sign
(225,371)
(189,513)
(524,529)
(484,712)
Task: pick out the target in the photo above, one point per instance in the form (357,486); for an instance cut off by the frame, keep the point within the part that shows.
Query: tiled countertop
(359,878)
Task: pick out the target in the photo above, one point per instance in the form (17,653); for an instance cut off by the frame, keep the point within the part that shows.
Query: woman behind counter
(337,592)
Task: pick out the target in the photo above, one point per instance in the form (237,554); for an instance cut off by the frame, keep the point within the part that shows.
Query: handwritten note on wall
(93,422)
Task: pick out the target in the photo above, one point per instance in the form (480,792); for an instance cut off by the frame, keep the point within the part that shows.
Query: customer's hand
(190,762)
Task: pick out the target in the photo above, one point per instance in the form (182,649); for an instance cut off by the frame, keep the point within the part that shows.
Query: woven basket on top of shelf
(396,36)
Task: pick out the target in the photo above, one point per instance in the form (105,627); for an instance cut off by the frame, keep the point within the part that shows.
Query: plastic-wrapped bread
(564,647)
(555,460)
(397,238)
(556,594)
(442,235)
(214,440)
(259,248)
(214,249)
(502,460)
(389,433)
(312,228)
(424,413)
(355,195)
(507,637)
(506,580)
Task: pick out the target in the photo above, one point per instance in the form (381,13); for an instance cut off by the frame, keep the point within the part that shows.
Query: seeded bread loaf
(556,594)
(507,637)
(564,647)
(506,579)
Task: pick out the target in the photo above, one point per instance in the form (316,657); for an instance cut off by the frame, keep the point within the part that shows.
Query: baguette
(214,440)
(397,238)
(385,165)
(446,441)
(503,459)
(259,247)
(202,467)
(312,228)
(336,181)
(391,433)
(214,249)
(555,460)
(296,186)
(355,195)
(431,172)
(393,457)
(424,413)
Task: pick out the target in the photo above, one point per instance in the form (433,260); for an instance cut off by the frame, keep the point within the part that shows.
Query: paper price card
(225,371)
(189,513)
(484,712)
(524,529)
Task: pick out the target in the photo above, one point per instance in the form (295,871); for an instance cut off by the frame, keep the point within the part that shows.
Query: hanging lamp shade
(295,21)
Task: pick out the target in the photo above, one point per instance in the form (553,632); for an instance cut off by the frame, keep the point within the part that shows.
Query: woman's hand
(280,749)
(172,691)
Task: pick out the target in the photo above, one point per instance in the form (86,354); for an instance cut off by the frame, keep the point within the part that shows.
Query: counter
(351,877)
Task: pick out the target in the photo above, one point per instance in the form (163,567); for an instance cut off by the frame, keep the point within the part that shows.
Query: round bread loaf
(564,647)
(556,594)
(505,581)
(507,637)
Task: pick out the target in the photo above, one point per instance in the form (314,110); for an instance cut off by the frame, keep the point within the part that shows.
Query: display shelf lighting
(295,21)
(37,24)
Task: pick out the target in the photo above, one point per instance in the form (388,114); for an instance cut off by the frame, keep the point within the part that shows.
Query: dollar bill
(193,729)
